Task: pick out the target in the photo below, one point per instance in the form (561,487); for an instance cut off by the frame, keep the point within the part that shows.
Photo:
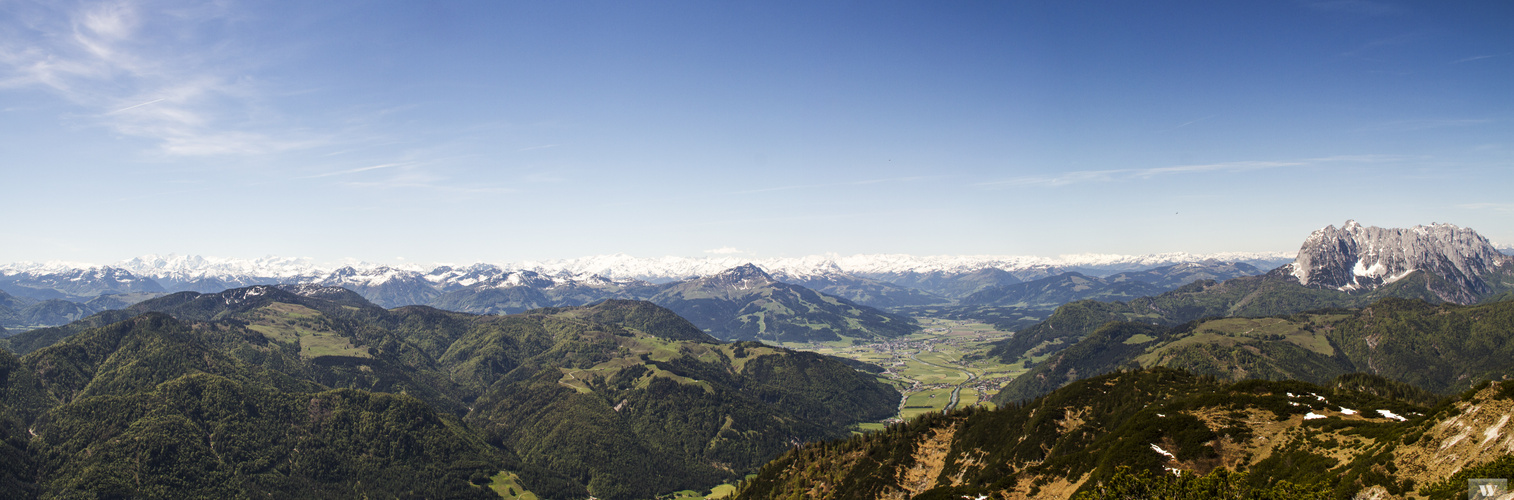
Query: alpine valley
(1374,366)
(1370,364)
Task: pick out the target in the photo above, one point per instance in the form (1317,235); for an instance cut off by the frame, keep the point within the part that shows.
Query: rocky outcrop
(1355,257)
(741,278)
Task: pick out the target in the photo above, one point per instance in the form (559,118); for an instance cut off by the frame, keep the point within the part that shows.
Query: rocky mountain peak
(743,276)
(1356,257)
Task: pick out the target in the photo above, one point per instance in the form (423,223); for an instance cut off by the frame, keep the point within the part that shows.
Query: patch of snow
(1347,411)
(1159,449)
(1398,276)
(1299,272)
(1312,415)
(1389,414)
(1376,270)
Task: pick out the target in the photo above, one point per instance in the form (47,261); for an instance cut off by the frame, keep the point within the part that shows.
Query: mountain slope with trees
(313,391)
(1443,348)
(1158,430)
(746,303)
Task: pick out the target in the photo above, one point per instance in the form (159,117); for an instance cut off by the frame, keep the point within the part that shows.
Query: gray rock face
(741,277)
(1354,257)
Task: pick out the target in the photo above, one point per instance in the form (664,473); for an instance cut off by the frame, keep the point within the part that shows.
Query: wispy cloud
(1112,175)
(140,69)
(356,170)
(135,106)
(1496,207)
(1422,124)
(1374,45)
(1190,122)
(1474,58)
(833,184)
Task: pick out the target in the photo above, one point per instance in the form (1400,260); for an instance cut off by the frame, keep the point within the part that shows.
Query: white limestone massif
(1355,257)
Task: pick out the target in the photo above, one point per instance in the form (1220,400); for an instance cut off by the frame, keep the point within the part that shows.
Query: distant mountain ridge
(181,273)
(885,281)
(746,303)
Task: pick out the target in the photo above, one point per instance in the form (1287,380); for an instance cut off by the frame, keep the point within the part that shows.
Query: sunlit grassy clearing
(507,486)
(293,323)
(722,491)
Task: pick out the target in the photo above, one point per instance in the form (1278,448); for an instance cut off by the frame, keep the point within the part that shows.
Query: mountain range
(1053,291)
(308,391)
(497,290)
(194,273)
(1371,364)
(1348,267)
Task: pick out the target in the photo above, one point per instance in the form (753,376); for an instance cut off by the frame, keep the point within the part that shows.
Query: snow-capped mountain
(1354,257)
(882,279)
(47,282)
(674,268)
(197,273)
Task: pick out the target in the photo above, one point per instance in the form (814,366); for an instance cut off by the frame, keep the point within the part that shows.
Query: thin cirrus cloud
(832,185)
(1422,124)
(1087,176)
(1474,58)
(1497,207)
(137,71)
(357,170)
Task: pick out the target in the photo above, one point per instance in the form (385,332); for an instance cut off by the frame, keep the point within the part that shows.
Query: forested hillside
(1443,348)
(1159,432)
(314,392)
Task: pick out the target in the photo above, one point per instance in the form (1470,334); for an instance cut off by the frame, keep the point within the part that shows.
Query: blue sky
(505,131)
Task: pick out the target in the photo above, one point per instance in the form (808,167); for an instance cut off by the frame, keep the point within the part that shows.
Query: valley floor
(944,366)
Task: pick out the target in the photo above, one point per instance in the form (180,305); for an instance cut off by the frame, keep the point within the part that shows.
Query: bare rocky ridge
(1355,257)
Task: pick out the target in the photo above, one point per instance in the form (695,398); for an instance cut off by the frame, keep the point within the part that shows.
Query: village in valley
(944,366)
